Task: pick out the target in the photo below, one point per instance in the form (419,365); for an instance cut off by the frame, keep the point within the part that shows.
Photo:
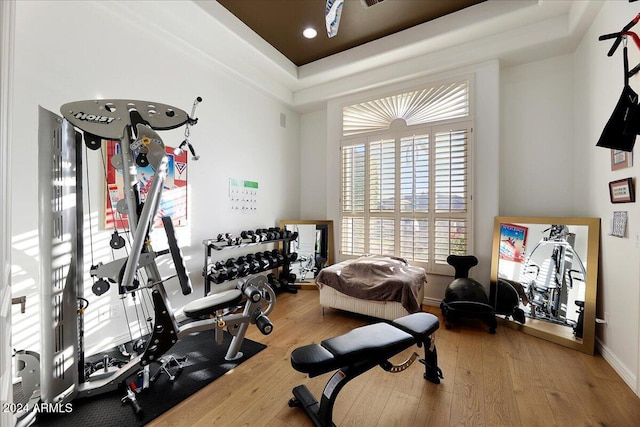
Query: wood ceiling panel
(280,22)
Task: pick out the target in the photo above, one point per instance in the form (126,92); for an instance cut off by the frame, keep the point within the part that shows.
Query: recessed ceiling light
(310,33)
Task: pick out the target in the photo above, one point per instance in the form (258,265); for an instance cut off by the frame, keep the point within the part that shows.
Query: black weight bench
(358,351)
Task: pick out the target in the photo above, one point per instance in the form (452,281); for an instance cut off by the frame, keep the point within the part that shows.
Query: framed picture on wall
(621,159)
(621,191)
(173,202)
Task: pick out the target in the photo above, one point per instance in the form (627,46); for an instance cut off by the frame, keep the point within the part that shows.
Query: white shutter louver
(353,178)
(381,236)
(451,171)
(352,241)
(382,176)
(450,239)
(448,101)
(414,174)
(414,239)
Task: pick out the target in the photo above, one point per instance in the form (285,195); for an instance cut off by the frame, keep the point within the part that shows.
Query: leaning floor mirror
(314,247)
(544,277)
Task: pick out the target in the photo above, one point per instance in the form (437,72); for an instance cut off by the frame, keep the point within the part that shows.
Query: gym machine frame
(61,362)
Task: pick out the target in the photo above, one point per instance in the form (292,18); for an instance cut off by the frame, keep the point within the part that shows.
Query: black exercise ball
(465,289)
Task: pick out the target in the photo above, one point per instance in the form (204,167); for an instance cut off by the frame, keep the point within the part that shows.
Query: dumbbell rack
(253,239)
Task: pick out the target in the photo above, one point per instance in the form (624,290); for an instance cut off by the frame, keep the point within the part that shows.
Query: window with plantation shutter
(405,176)
(428,105)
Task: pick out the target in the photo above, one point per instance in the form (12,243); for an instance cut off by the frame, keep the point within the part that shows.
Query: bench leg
(303,398)
(432,372)
(322,415)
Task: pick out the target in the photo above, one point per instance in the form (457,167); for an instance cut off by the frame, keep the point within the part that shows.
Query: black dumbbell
(271,278)
(269,235)
(231,262)
(291,257)
(268,256)
(226,237)
(262,236)
(232,273)
(277,232)
(279,257)
(276,259)
(218,275)
(254,267)
(249,235)
(243,269)
(262,233)
(273,260)
(264,264)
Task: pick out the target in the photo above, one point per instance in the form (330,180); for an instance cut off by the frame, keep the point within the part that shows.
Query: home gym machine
(57,375)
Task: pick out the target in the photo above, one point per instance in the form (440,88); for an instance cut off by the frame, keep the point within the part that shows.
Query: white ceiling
(512,31)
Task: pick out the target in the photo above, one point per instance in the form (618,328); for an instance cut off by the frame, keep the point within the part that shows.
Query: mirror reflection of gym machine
(59,374)
(554,279)
(312,249)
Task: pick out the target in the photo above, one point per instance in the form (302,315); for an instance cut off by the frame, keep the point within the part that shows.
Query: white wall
(597,83)
(85,50)
(486,153)
(313,165)
(553,112)
(537,151)
(6,51)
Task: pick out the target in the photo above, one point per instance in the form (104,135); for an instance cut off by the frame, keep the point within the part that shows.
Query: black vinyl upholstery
(357,351)
(376,342)
(420,325)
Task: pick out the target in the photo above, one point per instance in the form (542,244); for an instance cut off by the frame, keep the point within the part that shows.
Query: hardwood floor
(507,379)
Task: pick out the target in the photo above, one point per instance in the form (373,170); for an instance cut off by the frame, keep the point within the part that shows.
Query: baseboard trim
(433,302)
(627,375)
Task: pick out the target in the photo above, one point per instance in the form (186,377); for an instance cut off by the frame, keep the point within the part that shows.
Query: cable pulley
(116,242)
(100,287)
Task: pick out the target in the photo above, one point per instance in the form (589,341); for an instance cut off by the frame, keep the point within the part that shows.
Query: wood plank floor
(507,379)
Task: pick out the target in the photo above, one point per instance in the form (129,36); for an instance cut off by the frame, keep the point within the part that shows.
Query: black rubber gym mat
(204,363)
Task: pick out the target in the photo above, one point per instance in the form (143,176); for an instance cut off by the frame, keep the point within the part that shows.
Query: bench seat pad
(376,342)
(212,303)
(420,325)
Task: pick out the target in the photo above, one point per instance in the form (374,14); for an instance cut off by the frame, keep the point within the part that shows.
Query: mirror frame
(327,223)
(591,281)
